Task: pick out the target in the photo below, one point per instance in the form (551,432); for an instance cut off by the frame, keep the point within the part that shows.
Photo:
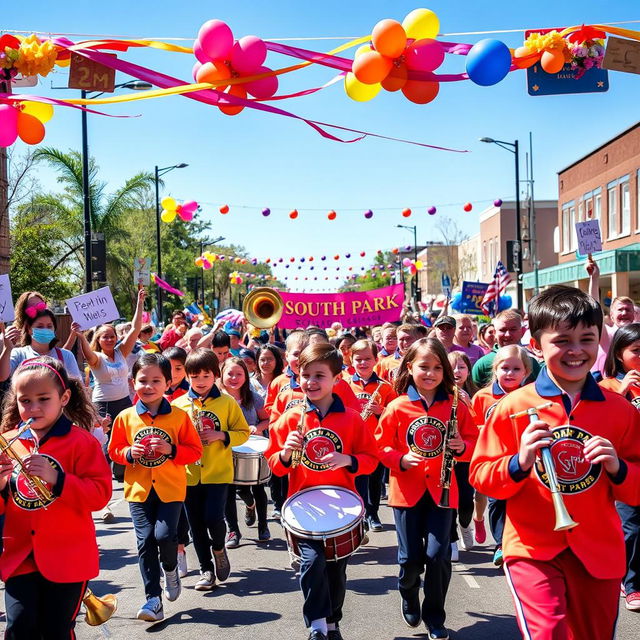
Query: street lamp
(136,85)
(513,148)
(414,283)
(205,242)
(160,171)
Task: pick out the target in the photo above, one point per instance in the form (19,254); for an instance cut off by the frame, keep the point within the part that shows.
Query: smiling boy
(565,584)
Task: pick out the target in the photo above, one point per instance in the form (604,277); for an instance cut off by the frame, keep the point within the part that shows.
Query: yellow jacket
(222,413)
(165,473)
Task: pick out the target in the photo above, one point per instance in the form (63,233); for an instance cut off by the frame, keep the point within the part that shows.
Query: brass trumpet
(563,519)
(263,307)
(296,454)
(98,610)
(36,484)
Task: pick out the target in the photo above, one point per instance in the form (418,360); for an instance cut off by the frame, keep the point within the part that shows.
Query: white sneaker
(455,556)
(466,538)
(207,581)
(172,585)
(182,564)
(151,610)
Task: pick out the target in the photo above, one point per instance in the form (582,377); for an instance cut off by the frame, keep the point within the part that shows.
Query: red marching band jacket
(59,540)
(407,424)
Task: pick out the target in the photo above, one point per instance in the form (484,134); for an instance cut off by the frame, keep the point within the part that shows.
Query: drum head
(255,444)
(322,510)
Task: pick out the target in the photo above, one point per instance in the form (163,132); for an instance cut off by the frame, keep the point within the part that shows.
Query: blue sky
(268,161)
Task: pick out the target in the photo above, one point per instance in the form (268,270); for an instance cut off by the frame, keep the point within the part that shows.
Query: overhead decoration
(171,209)
(165,285)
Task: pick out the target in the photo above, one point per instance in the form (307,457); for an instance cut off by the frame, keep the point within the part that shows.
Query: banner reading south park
(353,309)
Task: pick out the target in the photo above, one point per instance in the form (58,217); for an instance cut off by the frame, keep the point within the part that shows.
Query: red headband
(44,364)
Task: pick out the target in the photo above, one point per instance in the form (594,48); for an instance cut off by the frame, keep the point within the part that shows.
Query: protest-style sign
(589,238)
(471,298)
(142,272)
(93,308)
(7,313)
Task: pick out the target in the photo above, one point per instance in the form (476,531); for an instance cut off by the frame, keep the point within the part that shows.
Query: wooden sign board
(622,55)
(88,75)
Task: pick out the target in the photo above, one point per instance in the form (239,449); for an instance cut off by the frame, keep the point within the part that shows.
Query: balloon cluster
(235,278)
(411,266)
(221,58)
(397,49)
(171,209)
(206,260)
(25,121)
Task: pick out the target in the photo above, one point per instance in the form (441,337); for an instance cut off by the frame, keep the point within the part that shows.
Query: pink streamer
(166,286)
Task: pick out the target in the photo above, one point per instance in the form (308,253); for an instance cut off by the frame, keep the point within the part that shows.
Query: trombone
(563,519)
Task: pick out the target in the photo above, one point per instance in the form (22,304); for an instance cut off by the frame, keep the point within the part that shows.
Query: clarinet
(447,455)
(366,410)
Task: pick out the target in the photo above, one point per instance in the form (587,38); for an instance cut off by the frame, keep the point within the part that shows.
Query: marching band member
(406,334)
(562,588)
(50,549)
(411,438)
(155,441)
(334,446)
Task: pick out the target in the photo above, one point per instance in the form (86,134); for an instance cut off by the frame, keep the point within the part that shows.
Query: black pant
(156,526)
(323,584)
(630,517)
(464,513)
(497,514)
(424,540)
(205,510)
(279,486)
(374,490)
(38,609)
(250,495)
(113,408)
(183,527)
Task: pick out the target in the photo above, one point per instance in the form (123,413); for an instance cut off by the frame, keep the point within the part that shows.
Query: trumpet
(98,610)
(296,454)
(563,519)
(367,409)
(447,455)
(40,489)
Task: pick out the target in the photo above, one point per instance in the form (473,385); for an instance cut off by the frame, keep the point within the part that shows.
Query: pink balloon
(8,125)
(248,54)
(406,262)
(424,55)
(263,88)
(206,264)
(195,69)
(200,55)
(216,39)
(190,206)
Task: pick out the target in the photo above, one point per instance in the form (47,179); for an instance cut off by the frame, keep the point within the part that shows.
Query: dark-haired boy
(565,583)
(353,452)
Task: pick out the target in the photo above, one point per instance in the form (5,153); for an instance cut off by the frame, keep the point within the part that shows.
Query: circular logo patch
(575,474)
(490,410)
(151,458)
(317,444)
(24,493)
(363,395)
(425,436)
(293,403)
(209,420)
(636,402)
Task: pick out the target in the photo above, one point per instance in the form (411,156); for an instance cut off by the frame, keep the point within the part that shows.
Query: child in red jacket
(336,446)
(50,549)
(565,582)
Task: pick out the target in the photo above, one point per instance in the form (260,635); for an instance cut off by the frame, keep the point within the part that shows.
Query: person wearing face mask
(38,338)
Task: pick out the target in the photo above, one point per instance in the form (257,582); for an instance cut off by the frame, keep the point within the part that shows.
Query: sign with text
(7,313)
(589,238)
(446,285)
(88,75)
(472,296)
(93,308)
(353,309)
(622,54)
(142,272)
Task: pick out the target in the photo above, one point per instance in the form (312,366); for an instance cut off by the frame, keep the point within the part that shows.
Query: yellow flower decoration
(35,57)
(538,43)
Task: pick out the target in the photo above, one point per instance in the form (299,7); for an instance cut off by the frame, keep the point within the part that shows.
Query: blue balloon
(504,303)
(456,302)
(488,62)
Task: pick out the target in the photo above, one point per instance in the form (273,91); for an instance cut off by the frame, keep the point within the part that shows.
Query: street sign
(446,285)
(90,76)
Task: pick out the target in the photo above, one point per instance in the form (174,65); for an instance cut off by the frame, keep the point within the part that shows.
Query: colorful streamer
(165,285)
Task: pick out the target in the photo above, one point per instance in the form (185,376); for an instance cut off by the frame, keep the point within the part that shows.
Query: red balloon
(395,251)
(336,257)
(362,254)
(224,208)
(397,77)
(420,92)
(406,213)
(332,215)
(294,214)
(238,91)
(468,206)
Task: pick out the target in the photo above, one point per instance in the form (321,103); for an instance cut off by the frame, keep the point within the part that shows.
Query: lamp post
(513,148)
(160,171)
(136,85)
(414,282)
(205,242)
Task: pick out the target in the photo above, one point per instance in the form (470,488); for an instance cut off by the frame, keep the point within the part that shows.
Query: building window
(625,206)
(612,210)
(484,258)
(597,204)
(581,211)
(572,228)
(566,228)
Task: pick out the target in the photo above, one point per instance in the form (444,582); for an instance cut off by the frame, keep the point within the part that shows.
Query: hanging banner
(353,309)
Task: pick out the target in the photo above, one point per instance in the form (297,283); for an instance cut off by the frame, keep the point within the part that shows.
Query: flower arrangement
(587,49)
(28,56)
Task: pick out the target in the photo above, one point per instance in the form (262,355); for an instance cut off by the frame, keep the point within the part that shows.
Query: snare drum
(249,464)
(332,514)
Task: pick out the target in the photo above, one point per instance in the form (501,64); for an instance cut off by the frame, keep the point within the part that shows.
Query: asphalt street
(261,599)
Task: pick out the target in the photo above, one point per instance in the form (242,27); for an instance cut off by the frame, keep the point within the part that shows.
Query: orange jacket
(589,492)
(632,394)
(408,424)
(341,429)
(165,473)
(365,389)
(387,368)
(61,539)
(485,401)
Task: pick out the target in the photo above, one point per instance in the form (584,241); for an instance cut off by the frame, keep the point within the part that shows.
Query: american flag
(496,288)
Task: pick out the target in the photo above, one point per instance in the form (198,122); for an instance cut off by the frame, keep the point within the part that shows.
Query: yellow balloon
(359,91)
(421,23)
(167,216)
(419,264)
(63,63)
(39,110)
(169,203)
(362,49)
(209,256)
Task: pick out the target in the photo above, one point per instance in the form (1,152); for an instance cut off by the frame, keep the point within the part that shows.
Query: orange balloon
(552,61)
(523,57)
(214,72)
(389,38)
(238,91)
(30,129)
(420,91)
(371,67)
(397,78)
